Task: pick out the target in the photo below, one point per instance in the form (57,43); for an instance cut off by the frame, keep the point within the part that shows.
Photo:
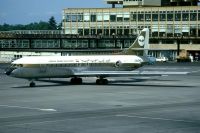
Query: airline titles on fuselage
(81,61)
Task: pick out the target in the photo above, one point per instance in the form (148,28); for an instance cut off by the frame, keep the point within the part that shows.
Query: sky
(28,11)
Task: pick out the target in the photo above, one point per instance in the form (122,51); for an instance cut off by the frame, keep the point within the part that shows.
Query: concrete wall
(195,47)
(152,2)
(142,3)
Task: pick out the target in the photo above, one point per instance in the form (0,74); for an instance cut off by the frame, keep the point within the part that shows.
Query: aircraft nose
(8,72)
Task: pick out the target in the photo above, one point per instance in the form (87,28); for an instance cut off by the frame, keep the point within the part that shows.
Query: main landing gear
(101,81)
(76,80)
(32,84)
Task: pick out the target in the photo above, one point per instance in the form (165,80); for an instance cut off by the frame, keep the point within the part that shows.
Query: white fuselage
(71,66)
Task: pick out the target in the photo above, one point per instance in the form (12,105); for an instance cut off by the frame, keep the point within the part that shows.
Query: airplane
(76,67)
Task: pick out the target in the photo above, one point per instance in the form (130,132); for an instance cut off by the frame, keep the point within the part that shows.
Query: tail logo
(141,40)
(118,63)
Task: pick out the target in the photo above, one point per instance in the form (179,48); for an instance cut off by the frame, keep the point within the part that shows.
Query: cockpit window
(19,65)
(16,65)
(13,66)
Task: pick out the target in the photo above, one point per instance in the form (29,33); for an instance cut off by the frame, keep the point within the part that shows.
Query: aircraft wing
(126,73)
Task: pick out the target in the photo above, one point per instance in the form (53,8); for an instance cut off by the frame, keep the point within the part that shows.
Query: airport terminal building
(108,30)
(168,21)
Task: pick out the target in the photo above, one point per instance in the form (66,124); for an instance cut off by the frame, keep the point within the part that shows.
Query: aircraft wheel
(76,81)
(101,81)
(72,81)
(98,81)
(32,84)
(105,81)
(79,80)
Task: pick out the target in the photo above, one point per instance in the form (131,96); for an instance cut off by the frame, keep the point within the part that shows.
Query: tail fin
(140,45)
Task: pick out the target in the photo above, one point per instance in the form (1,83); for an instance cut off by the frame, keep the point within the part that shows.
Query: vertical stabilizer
(140,45)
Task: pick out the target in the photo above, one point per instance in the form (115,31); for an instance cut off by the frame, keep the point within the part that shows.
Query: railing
(59,34)
(32,32)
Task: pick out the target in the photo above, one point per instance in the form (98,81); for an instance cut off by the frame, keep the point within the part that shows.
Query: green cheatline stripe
(81,65)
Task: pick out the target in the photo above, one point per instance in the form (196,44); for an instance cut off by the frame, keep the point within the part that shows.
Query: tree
(52,23)
(43,25)
(6,27)
(60,26)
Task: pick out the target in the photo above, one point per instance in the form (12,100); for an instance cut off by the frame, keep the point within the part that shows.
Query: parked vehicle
(162,59)
(152,59)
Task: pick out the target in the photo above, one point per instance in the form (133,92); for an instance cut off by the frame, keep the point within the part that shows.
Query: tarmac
(158,104)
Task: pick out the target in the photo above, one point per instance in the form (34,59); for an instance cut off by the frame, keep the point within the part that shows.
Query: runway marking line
(53,121)
(94,117)
(22,107)
(154,118)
